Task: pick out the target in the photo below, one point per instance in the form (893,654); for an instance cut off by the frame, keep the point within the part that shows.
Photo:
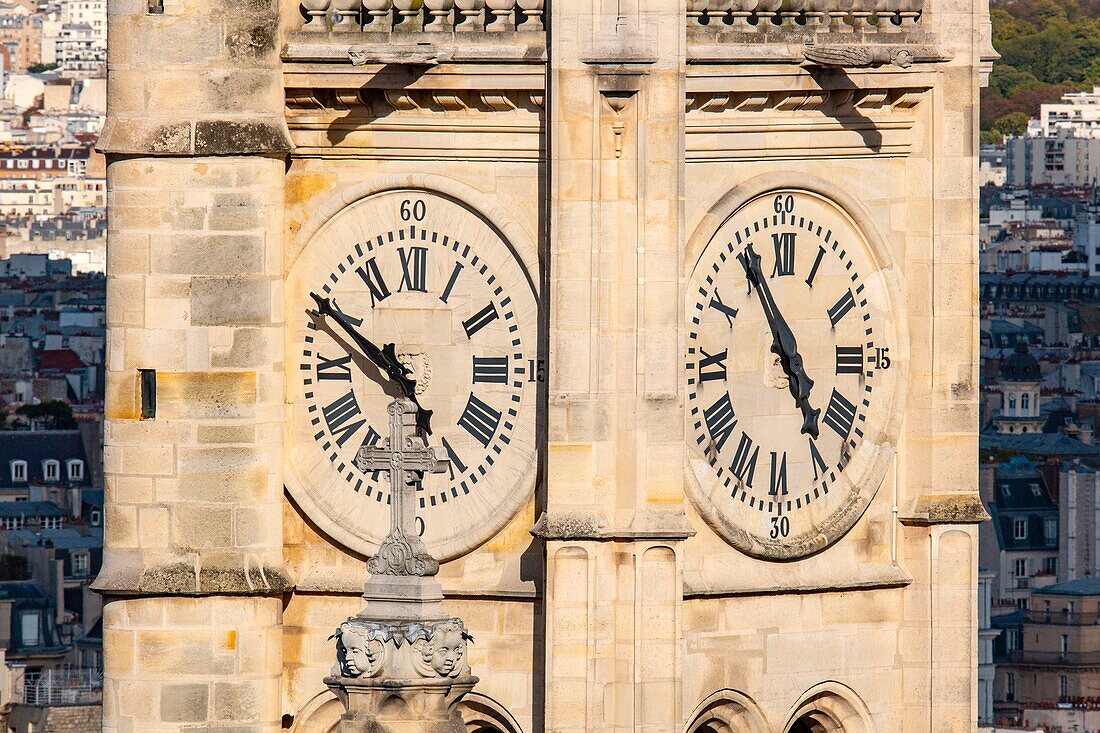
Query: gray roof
(1040,444)
(30,509)
(1079,587)
(69,539)
(36,446)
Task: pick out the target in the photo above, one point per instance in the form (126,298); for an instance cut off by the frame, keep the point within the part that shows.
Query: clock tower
(683,295)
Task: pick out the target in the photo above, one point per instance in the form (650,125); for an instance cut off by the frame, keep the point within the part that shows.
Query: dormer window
(76,470)
(51,470)
(1019,529)
(80,563)
(94,517)
(19,472)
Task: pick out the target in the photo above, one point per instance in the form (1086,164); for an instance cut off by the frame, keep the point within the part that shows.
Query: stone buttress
(193,569)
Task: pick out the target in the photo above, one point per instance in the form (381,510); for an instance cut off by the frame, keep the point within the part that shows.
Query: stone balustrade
(808,15)
(385,16)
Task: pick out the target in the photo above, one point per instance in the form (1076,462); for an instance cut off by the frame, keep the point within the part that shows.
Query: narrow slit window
(148,393)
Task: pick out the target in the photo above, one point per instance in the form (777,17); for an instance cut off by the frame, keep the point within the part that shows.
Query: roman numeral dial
(785,378)
(427,281)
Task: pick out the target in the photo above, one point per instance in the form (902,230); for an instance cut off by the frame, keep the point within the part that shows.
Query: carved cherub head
(358,655)
(445,653)
(449,650)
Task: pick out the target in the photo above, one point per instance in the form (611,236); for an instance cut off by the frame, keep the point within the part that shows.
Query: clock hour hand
(784,343)
(384,358)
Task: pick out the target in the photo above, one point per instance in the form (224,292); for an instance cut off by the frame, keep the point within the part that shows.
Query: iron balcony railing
(63,686)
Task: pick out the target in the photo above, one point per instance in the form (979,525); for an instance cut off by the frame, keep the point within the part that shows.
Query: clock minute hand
(784,343)
(384,358)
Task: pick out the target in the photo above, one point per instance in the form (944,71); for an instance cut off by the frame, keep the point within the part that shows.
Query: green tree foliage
(55,414)
(1048,48)
(39,68)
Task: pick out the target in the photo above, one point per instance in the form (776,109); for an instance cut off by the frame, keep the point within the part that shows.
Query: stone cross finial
(407,458)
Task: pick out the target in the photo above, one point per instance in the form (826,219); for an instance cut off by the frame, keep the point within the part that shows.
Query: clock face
(791,365)
(432,277)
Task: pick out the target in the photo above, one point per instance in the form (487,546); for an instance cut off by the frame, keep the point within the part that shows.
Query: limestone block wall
(184,663)
(194,285)
(193,565)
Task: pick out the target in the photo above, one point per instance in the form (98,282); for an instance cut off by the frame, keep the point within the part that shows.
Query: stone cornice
(123,575)
(593,526)
(955,508)
(168,136)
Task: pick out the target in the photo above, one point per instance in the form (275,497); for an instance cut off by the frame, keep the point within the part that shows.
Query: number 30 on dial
(431,276)
(791,372)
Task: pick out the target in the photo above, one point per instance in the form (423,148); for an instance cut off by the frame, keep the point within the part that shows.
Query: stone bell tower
(193,570)
(690,288)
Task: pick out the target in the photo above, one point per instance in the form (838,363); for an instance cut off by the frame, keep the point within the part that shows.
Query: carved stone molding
(384,102)
(836,101)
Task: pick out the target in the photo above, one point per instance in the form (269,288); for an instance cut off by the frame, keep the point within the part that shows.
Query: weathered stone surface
(230,301)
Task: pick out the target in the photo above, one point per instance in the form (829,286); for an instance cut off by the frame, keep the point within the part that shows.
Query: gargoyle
(856,57)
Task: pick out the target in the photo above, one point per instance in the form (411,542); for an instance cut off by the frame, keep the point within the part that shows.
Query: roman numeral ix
(336,370)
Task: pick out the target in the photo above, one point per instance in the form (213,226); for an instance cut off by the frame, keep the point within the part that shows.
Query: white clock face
(790,371)
(426,274)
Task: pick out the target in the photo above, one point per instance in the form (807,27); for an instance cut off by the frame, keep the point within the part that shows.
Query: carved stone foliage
(385,102)
(833,102)
(401,650)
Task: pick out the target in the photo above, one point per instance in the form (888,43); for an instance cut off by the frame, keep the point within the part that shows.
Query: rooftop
(1079,587)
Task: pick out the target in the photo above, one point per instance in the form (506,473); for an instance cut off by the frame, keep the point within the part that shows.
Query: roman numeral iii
(849,359)
(490,370)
